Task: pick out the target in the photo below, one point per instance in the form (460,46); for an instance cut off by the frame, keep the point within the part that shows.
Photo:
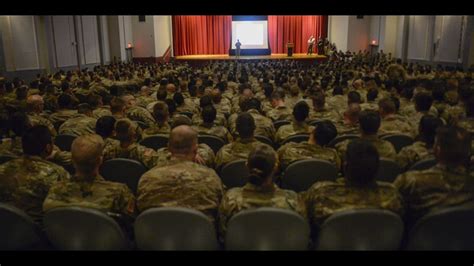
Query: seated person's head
(65,101)
(183,142)
(245,125)
(105,126)
(452,146)
(372,94)
(353,97)
(369,122)
(35,103)
(278,97)
(171,88)
(352,113)
(262,164)
(319,99)
(19,123)
(84,108)
(94,100)
(361,163)
(129,100)
(386,107)
(86,154)
(178,99)
(301,111)
(205,101)
(216,95)
(181,120)
(323,133)
(117,105)
(208,114)
(126,131)
(427,128)
(161,95)
(37,141)
(249,104)
(294,90)
(160,112)
(423,102)
(337,91)
(171,106)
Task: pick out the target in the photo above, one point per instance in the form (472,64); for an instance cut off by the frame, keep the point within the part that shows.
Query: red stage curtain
(194,35)
(295,29)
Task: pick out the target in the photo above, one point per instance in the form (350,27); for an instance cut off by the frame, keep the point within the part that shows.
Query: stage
(224,57)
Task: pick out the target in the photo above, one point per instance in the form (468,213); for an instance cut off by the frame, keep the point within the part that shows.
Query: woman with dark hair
(260,191)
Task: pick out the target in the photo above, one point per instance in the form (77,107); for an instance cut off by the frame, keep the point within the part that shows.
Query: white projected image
(251,34)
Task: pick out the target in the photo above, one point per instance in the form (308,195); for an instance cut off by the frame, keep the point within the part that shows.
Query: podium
(290,46)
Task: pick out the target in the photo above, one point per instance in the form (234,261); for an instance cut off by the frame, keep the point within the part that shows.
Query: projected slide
(252,34)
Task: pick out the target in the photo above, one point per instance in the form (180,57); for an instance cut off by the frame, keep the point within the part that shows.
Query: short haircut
(278,95)
(261,163)
(84,108)
(94,100)
(324,132)
(160,111)
(319,98)
(245,125)
(64,101)
(423,101)
(86,151)
(362,162)
(369,122)
(35,139)
(301,111)
(117,104)
(178,99)
(182,139)
(181,120)
(105,126)
(161,95)
(124,130)
(337,91)
(372,94)
(209,114)
(353,97)
(387,105)
(248,104)
(454,143)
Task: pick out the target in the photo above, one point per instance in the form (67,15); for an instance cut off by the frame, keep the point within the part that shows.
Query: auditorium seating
(155,142)
(398,140)
(214,142)
(234,174)
(188,114)
(342,138)
(265,140)
(64,142)
(277,124)
(141,124)
(17,230)
(296,138)
(423,164)
(174,229)
(302,174)
(124,171)
(388,170)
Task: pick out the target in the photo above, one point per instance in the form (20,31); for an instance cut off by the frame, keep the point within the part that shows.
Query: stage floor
(252,57)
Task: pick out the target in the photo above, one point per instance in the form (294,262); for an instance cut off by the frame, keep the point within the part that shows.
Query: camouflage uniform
(434,188)
(25,182)
(324,114)
(291,101)
(101,111)
(135,151)
(325,198)
(239,149)
(409,155)
(293,151)
(395,124)
(251,196)
(61,116)
(138,113)
(294,128)
(468,124)
(224,107)
(220,120)
(206,153)
(264,125)
(452,114)
(385,148)
(344,128)
(80,125)
(181,184)
(38,120)
(144,101)
(370,106)
(280,113)
(218,131)
(156,129)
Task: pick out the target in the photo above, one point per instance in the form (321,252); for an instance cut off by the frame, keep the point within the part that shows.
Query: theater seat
(423,164)
(342,138)
(64,142)
(214,142)
(265,140)
(302,174)
(398,140)
(124,171)
(174,228)
(277,124)
(155,142)
(296,138)
(267,229)
(388,170)
(18,231)
(362,229)
(447,229)
(75,228)
(234,174)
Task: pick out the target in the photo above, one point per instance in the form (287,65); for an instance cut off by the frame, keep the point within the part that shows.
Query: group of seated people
(111,109)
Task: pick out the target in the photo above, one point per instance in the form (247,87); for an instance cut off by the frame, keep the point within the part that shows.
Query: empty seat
(342,138)
(214,142)
(447,229)
(267,229)
(265,140)
(423,164)
(398,140)
(124,171)
(277,124)
(296,138)
(362,229)
(75,228)
(155,142)
(5,158)
(174,228)
(64,142)
(234,174)
(388,170)
(302,174)
(18,230)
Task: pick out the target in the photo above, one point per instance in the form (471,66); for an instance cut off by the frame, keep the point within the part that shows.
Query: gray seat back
(18,231)
(302,174)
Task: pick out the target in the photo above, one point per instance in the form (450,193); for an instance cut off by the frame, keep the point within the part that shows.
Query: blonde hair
(86,151)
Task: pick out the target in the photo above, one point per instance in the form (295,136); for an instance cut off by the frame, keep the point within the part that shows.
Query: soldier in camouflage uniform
(128,147)
(422,148)
(81,124)
(87,188)
(118,108)
(369,125)
(161,116)
(391,122)
(279,111)
(165,186)
(35,109)
(222,105)
(209,128)
(182,105)
(145,97)
(357,190)
(447,184)
(298,124)
(105,127)
(137,113)
(25,182)
(260,191)
(98,107)
(320,109)
(240,148)
(315,148)
(264,125)
(203,102)
(350,122)
(65,111)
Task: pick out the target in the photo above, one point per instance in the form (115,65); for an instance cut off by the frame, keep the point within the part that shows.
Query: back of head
(452,145)
(245,125)
(86,154)
(84,108)
(278,95)
(249,104)
(324,132)
(35,141)
(361,163)
(372,94)
(428,126)
(261,164)
(181,120)
(353,97)
(319,98)
(438,93)
(423,101)
(105,126)
(117,105)
(301,111)
(178,99)
(94,100)
(160,112)
(369,122)
(353,112)
(125,131)
(35,103)
(208,114)
(171,106)
(387,106)
(205,101)
(337,91)
(182,140)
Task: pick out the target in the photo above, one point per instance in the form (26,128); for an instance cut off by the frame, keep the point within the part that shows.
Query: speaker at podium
(290,46)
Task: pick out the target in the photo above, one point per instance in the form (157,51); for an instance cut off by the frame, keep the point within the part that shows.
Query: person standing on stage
(310,45)
(237,49)
(320,46)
